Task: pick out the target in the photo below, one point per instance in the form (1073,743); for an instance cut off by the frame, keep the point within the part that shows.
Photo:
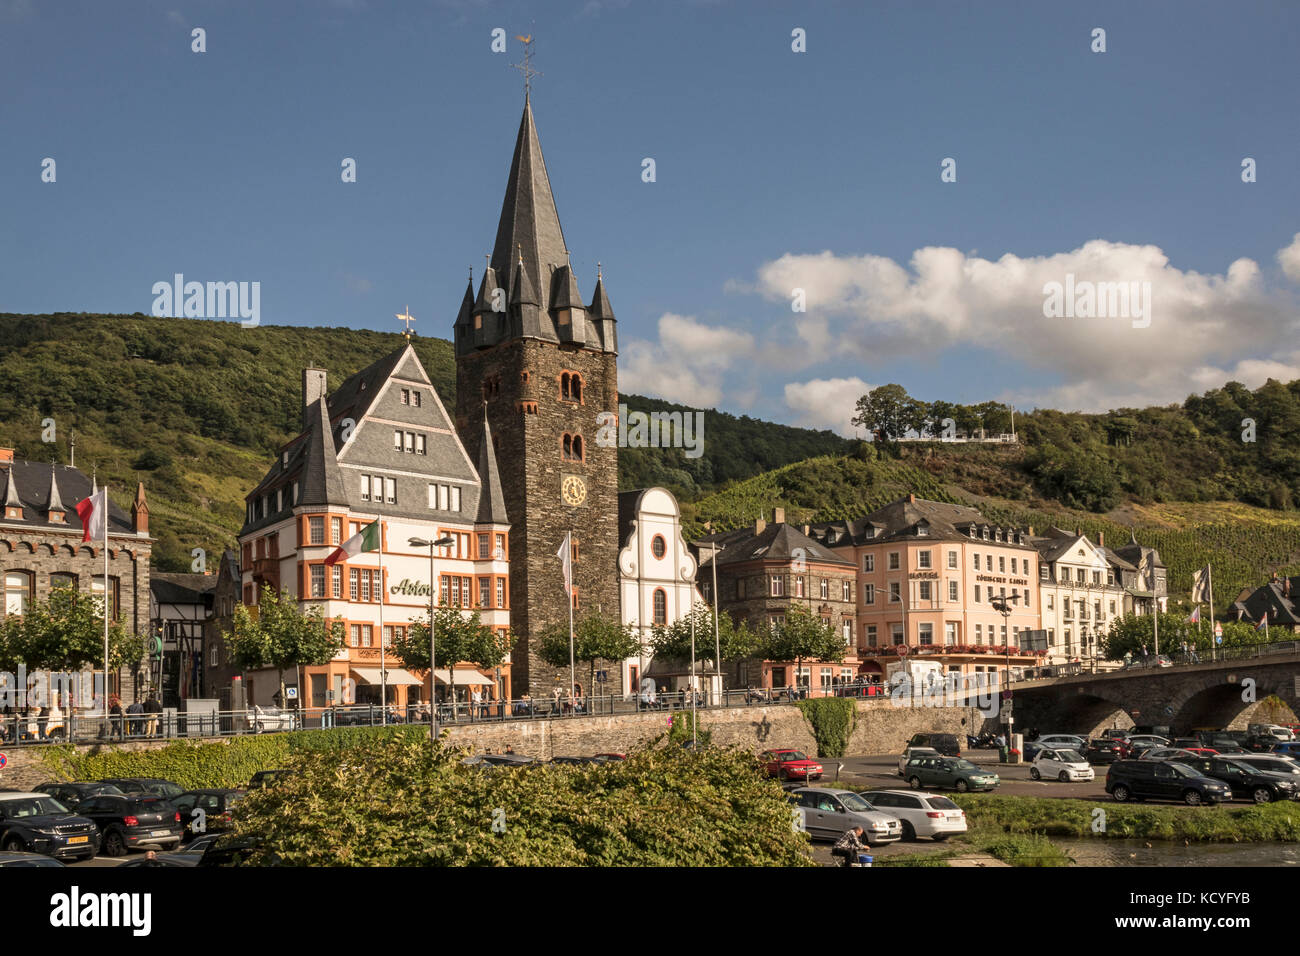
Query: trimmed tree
(673,641)
(280,635)
(801,635)
(461,636)
(595,638)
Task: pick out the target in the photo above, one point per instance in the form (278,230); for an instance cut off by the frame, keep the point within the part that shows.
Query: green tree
(886,410)
(673,641)
(461,637)
(801,635)
(278,634)
(65,633)
(595,638)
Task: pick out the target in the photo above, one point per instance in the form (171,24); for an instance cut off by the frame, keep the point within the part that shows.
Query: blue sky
(775,170)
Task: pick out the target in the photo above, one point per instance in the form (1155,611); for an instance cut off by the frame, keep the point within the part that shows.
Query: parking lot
(880,771)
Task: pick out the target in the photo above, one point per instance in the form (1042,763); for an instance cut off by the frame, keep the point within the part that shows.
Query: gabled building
(1080,594)
(762,570)
(180,605)
(927,576)
(656,575)
(1279,600)
(41,549)
(1149,587)
(380,446)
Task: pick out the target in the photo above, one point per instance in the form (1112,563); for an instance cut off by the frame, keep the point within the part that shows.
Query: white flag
(565,554)
(1201,586)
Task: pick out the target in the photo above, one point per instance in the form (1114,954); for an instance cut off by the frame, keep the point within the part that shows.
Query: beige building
(1080,595)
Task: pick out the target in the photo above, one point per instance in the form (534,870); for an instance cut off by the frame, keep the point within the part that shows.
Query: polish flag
(93,512)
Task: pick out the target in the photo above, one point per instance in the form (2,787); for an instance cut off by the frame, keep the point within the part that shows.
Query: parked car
(144,786)
(1202,751)
(1063,742)
(1067,766)
(260,719)
(264,778)
(1288,749)
(1163,780)
(216,805)
(1114,733)
(921,814)
(1246,781)
(134,821)
(1167,753)
(1272,763)
(790,765)
(1276,731)
(950,772)
(1259,743)
(1136,741)
(71,794)
(38,823)
(20,859)
(1105,750)
(609,757)
(828,813)
(489,761)
(946,744)
(910,752)
(189,856)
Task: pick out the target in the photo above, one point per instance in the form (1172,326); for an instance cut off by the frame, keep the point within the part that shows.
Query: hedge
(230,763)
(832,723)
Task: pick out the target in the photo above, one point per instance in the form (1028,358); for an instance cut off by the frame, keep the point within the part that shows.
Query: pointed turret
(54,510)
(140,511)
(567,308)
(487,320)
(601,314)
(13,504)
(491,501)
(529,228)
(465,320)
(322,480)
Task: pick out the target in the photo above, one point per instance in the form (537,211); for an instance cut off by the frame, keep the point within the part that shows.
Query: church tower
(545,366)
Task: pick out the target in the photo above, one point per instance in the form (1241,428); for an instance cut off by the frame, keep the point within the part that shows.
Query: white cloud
(687,364)
(1203,327)
(1289,257)
(826,402)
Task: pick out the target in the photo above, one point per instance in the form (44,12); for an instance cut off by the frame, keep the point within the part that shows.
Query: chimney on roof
(759,525)
(1031,531)
(140,511)
(911,498)
(6,454)
(1078,532)
(778,516)
(1101,539)
(313,387)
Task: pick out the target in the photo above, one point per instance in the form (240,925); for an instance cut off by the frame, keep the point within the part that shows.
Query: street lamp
(442,542)
(1002,605)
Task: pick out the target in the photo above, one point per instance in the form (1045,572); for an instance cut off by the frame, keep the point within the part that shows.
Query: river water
(1102,852)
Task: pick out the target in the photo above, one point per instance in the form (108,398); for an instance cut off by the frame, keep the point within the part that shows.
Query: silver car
(829,813)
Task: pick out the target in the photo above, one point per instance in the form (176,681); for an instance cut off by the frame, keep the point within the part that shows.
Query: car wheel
(909,832)
(962,786)
(1033,773)
(15,844)
(114,843)
(1120,793)
(1063,777)
(1263,795)
(915,783)
(1192,798)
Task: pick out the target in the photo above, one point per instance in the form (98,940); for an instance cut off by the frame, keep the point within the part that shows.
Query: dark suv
(134,821)
(946,744)
(71,795)
(36,822)
(1163,780)
(146,786)
(1105,750)
(1253,783)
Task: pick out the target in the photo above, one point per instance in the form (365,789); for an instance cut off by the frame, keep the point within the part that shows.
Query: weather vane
(406,318)
(526,68)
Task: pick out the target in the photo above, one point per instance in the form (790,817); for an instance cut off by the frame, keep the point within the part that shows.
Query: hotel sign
(407,586)
(995,579)
(922,574)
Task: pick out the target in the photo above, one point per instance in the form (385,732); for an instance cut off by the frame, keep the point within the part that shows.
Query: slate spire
(491,500)
(322,479)
(53,501)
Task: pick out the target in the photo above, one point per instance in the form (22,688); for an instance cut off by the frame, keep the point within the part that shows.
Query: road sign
(602,676)
(1218,629)
(3,760)
(291,693)
(900,650)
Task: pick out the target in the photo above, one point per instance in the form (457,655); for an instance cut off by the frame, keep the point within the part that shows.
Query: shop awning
(396,676)
(464,677)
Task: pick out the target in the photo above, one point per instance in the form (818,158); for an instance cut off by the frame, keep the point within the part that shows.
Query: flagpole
(106,599)
(383,669)
(1209,580)
(568,587)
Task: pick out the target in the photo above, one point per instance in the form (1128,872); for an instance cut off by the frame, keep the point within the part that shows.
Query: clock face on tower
(573,490)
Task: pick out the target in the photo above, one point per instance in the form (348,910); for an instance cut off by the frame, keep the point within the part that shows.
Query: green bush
(832,723)
(230,763)
(405,802)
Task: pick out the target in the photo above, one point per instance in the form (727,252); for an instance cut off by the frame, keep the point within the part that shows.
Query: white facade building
(1078,596)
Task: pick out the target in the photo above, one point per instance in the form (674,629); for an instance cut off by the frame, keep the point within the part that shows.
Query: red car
(1202,751)
(791,765)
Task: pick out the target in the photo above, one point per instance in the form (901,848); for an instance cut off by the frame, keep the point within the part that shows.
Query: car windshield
(963,765)
(854,802)
(942,803)
(1182,770)
(1069,756)
(792,755)
(31,807)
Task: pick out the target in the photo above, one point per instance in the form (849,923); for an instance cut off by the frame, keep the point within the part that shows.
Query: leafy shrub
(832,723)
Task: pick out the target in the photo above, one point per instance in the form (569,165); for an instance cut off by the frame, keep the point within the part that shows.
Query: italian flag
(367,539)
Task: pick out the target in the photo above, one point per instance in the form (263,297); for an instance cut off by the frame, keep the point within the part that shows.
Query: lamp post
(433,584)
(1002,605)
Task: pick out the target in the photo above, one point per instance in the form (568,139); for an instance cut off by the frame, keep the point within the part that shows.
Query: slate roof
(491,502)
(30,483)
(179,588)
(906,519)
(776,542)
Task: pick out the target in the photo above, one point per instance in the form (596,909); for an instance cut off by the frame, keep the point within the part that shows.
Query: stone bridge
(1212,695)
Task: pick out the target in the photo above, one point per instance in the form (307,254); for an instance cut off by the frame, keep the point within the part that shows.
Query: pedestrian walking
(115,717)
(152,711)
